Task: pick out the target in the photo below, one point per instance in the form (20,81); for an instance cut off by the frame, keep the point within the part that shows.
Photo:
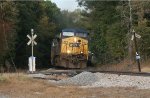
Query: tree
(48,27)
(105,20)
(43,17)
(111,25)
(8,20)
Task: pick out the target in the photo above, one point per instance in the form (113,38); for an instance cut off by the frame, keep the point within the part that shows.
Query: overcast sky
(66,4)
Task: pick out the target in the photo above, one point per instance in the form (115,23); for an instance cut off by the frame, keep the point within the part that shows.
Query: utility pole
(135,42)
(130,25)
(130,32)
(136,49)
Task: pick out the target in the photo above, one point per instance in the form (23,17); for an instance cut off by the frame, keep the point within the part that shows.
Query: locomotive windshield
(81,34)
(74,32)
(68,34)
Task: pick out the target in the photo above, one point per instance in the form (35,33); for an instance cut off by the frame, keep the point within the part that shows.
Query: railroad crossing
(32,42)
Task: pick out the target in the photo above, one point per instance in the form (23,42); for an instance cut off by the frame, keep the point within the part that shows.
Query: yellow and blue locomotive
(70,49)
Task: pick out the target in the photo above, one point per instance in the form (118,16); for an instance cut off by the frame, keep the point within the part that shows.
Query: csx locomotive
(70,49)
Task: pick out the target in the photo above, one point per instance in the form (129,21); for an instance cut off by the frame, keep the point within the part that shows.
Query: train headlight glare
(81,52)
(75,39)
(68,51)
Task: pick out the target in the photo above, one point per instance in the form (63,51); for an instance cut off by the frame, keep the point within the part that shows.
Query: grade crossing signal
(32,42)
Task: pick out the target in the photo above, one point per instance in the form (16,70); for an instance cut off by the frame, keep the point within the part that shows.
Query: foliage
(107,21)
(43,18)
(110,22)
(8,20)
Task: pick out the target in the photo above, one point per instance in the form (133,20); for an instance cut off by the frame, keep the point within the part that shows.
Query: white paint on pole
(132,37)
(32,64)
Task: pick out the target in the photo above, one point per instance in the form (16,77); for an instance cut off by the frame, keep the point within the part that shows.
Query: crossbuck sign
(136,35)
(32,41)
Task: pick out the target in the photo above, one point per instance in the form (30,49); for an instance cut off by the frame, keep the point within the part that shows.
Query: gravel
(4,96)
(37,75)
(82,79)
(113,80)
(88,80)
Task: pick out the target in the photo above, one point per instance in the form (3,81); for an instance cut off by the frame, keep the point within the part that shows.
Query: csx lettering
(74,44)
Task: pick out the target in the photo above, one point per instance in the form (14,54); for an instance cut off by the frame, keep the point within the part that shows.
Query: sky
(70,5)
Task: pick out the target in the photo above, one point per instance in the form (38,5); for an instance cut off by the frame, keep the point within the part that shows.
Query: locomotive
(70,49)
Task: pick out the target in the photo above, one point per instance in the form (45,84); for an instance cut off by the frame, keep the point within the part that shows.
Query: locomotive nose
(77,40)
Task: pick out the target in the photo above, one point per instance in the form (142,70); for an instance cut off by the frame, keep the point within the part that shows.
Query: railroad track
(73,72)
(125,73)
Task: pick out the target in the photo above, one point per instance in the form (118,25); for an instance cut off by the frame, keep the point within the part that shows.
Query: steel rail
(73,72)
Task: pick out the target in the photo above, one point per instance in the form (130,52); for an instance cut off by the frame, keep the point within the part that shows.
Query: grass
(3,79)
(16,85)
(7,78)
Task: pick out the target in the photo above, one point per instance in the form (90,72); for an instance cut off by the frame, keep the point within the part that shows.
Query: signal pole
(32,32)
(32,42)
(135,41)
(137,53)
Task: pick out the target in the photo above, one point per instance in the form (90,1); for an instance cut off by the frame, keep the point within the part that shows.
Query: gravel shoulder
(91,80)
(23,86)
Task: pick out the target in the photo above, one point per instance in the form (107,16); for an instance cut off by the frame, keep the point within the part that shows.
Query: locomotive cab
(74,32)
(72,49)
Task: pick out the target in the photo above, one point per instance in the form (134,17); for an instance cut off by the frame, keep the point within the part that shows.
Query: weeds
(3,79)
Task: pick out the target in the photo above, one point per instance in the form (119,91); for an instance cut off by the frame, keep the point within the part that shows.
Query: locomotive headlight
(81,52)
(68,51)
(75,39)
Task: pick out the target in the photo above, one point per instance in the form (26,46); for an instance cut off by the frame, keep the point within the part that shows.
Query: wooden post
(137,54)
